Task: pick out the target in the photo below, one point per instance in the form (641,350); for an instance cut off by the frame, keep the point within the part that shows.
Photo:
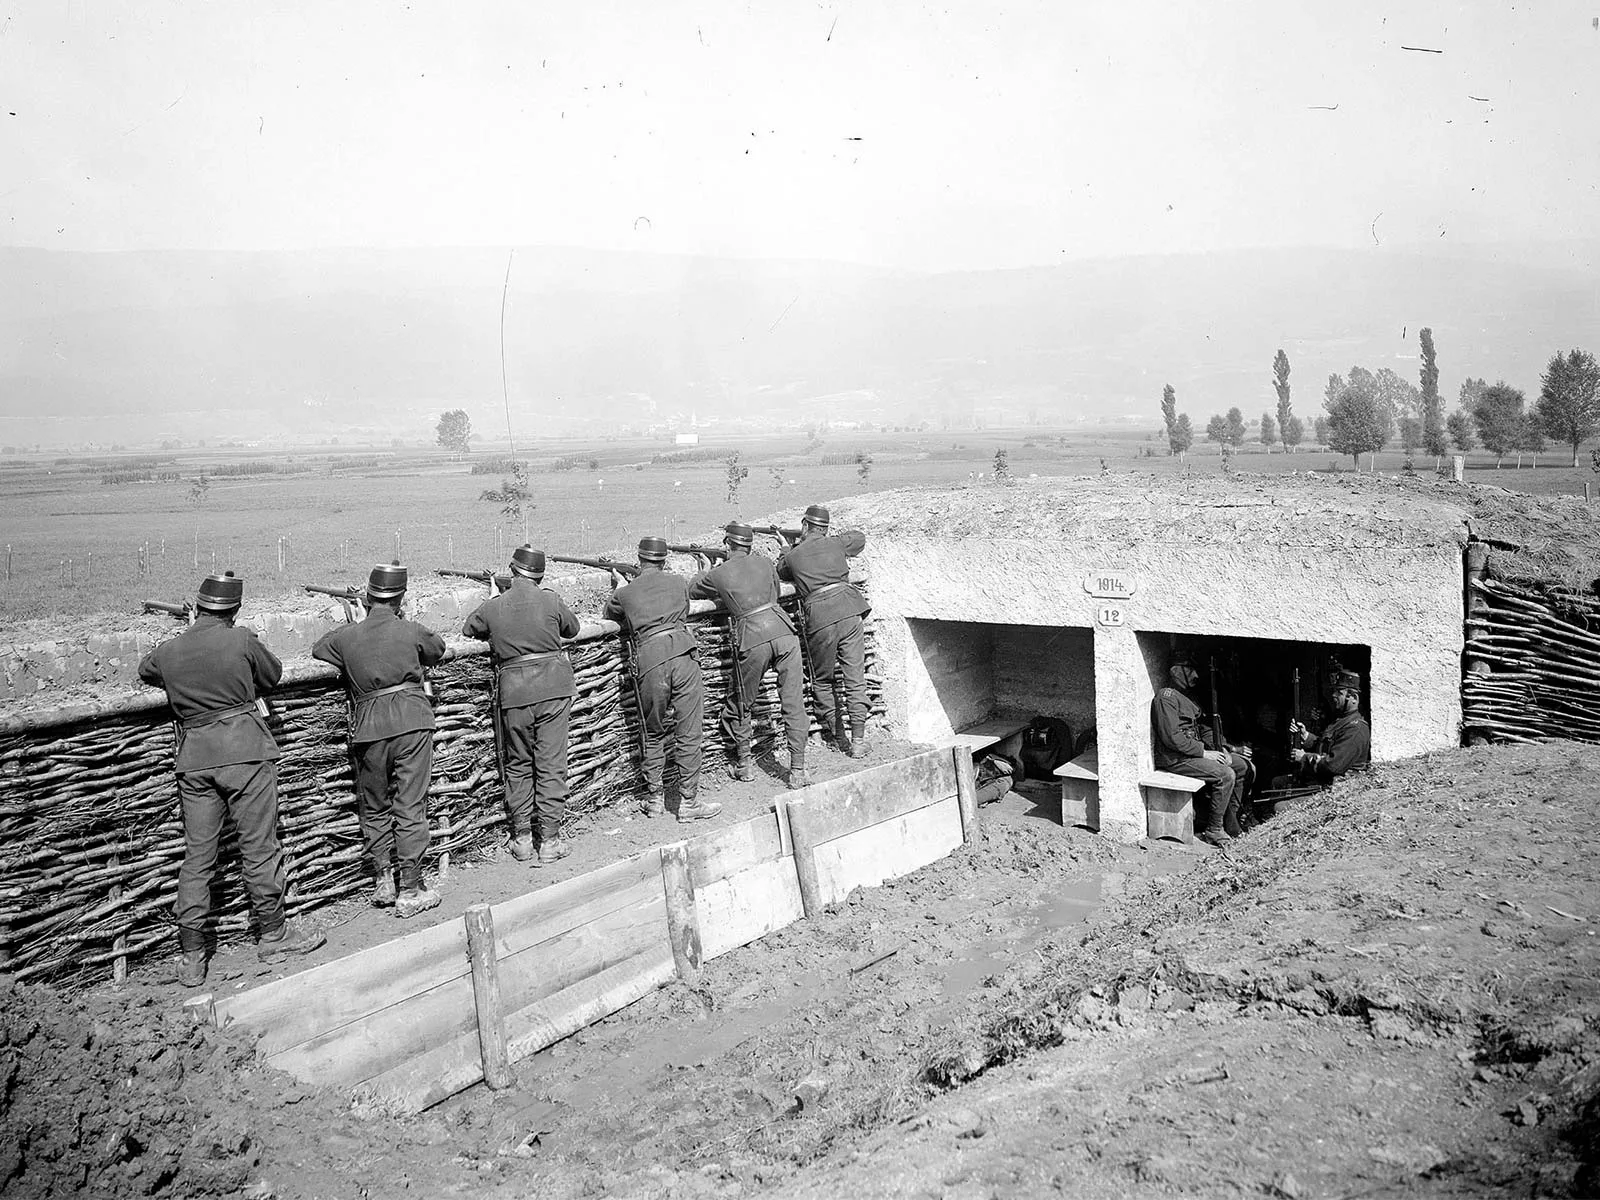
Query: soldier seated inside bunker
(1259,721)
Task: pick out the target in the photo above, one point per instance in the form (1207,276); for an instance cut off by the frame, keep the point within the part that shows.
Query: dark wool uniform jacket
(654,609)
(527,619)
(741,583)
(1347,744)
(211,666)
(383,650)
(1175,720)
(821,563)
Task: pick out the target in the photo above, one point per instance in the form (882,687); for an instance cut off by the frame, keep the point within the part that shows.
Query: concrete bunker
(970,587)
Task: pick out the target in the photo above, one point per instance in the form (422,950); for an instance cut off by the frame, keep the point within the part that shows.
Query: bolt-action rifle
(599,564)
(501,581)
(184,611)
(1296,739)
(1216,712)
(347,597)
(714,553)
(787,536)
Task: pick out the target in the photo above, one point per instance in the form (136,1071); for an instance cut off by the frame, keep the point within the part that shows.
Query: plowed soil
(1391,990)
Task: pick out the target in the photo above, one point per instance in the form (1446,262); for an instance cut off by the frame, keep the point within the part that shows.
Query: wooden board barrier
(756,901)
(888,849)
(852,802)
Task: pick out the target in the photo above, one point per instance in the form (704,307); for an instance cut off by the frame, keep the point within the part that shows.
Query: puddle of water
(1025,927)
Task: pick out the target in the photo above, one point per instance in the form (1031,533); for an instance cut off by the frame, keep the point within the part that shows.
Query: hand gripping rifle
(787,536)
(599,564)
(714,553)
(501,581)
(184,611)
(347,597)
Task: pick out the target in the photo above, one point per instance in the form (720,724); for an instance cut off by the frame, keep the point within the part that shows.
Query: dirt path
(1393,989)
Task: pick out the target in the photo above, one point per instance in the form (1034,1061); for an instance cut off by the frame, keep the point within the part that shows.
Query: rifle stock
(599,564)
(347,597)
(501,582)
(788,536)
(715,553)
(185,611)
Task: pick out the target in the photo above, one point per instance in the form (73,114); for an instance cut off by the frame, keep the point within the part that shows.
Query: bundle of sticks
(91,842)
(1533,662)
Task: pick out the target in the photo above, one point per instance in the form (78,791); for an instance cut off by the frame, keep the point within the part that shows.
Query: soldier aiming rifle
(527,628)
(653,610)
(383,659)
(709,553)
(832,615)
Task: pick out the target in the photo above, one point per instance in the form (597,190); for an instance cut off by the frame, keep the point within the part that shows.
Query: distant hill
(201,344)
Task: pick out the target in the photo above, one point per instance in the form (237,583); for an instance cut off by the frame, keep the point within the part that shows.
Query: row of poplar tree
(1366,411)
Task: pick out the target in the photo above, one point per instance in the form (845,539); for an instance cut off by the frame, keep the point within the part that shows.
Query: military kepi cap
(652,549)
(738,533)
(1346,680)
(386,581)
(817,515)
(218,593)
(527,562)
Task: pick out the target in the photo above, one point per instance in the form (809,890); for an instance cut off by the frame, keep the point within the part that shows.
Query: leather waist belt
(217,714)
(408,686)
(524,659)
(827,587)
(650,637)
(758,610)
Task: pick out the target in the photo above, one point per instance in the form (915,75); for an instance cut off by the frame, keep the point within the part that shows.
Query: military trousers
(838,655)
(672,701)
(1216,806)
(534,742)
(248,793)
(392,798)
(738,706)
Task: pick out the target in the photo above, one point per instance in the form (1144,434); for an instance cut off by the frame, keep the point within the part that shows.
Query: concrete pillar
(1458,468)
(1122,695)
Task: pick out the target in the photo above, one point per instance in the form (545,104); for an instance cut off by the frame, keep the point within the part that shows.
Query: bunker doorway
(999,679)
(1261,684)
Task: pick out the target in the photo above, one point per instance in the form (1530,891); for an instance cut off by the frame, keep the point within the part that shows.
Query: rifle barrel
(344,593)
(599,564)
(163,606)
(707,551)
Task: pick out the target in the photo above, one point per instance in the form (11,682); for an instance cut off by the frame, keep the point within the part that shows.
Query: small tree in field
(1357,425)
(1169,413)
(863,468)
(735,478)
(1499,416)
(1460,426)
(200,489)
(1269,431)
(1569,399)
(1531,441)
(454,431)
(1433,425)
(1235,428)
(1217,429)
(1292,433)
(514,496)
(1182,435)
(1320,430)
(1002,468)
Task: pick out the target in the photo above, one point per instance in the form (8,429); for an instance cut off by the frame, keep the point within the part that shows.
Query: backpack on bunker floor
(1046,744)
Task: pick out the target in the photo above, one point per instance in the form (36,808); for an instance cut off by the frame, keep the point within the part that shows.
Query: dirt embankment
(1394,989)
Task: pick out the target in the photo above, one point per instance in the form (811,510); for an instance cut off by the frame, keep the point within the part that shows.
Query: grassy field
(73,543)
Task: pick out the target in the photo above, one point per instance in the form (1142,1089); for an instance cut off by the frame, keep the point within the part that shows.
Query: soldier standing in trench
(527,627)
(227,766)
(1180,747)
(654,612)
(819,567)
(383,660)
(747,586)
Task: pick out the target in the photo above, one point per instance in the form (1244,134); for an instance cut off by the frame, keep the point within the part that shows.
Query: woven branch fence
(91,841)
(1532,662)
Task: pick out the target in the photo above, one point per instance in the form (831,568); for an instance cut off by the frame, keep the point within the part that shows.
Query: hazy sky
(959,135)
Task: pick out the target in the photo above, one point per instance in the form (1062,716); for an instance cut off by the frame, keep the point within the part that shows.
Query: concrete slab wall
(951,684)
(1402,601)
(1048,671)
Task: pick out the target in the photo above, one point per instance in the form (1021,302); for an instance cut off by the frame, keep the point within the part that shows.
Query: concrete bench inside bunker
(1169,804)
(1080,789)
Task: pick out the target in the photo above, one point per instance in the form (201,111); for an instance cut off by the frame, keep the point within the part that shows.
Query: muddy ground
(1391,990)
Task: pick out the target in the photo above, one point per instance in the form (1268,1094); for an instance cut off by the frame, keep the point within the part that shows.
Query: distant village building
(686,439)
